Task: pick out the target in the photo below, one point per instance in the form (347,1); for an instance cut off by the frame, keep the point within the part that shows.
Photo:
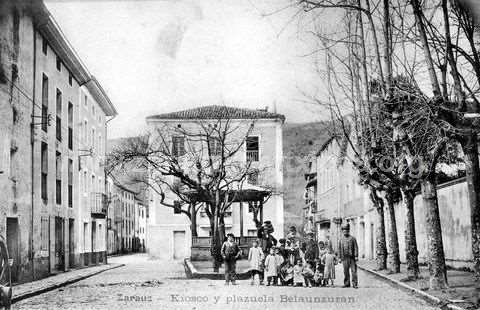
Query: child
(297,274)
(318,276)
(329,260)
(255,257)
(230,253)
(308,275)
(279,262)
(271,268)
(286,274)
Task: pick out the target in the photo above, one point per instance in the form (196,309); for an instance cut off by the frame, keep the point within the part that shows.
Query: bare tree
(197,165)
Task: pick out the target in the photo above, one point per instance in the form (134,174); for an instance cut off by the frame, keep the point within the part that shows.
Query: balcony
(98,205)
(252,156)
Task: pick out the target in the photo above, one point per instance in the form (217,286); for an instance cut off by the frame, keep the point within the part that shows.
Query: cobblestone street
(153,284)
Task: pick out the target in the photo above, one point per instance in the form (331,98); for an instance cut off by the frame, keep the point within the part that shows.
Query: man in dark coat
(348,254)
(230,252)
(311,248)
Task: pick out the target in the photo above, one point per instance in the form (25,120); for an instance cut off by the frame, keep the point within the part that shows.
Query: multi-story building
(168,231)
(123,212)
(42,81)
(94,108)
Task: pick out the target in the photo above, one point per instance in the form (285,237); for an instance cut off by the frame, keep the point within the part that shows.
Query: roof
(51,31)
(218,112)
(101,96)
(325,145)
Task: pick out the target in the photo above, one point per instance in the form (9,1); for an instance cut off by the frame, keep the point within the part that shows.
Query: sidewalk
(26,290)
(463,291)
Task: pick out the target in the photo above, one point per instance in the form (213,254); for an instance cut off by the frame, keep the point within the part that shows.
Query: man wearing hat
(348,254)
(311,248)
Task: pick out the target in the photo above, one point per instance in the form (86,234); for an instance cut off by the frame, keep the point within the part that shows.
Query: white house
(169,233)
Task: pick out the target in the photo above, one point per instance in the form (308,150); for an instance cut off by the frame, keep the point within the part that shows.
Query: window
(99,150)
(44,171)
(92,139)
(70,183)
(70,125)
(70,79)
(215,146)
(93,110)
(252,149)
(85,182)
(85,234)
(59,64)
(58,170)
(44,103)
(44,233)
(85,132)
(44,46)
(177,207)
(252,233)
(59,115)
(252,177)
(85,100)
(178,146)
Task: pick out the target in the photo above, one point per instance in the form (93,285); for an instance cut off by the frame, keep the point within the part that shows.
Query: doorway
(59,243)
(94,243)
(179,244)
(12,246)
(71,243)
(362,239)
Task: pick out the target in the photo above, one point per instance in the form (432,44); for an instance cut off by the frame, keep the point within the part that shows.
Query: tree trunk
(394,253)
(470,150)
(381,244)
(410,236)
(436,255)
(193,222)
(216,242)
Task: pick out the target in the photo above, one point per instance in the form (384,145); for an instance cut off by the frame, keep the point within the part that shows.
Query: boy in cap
(348,254)
(230,252)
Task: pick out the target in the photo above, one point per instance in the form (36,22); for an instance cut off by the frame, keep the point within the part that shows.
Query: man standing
(311,248)
(230,252)
(348,254)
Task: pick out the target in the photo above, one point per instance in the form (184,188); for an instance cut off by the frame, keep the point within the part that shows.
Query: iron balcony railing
(252,156)
(98,205)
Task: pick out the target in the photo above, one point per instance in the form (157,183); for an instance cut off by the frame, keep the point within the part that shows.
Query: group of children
(286,265)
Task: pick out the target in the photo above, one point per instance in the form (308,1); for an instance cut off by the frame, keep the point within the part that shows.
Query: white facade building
(168,233)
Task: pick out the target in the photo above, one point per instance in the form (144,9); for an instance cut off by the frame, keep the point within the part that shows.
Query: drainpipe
(32,142)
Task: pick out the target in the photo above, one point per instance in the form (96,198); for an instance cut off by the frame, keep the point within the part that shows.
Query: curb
(429,298)
(52,287)
(193,273)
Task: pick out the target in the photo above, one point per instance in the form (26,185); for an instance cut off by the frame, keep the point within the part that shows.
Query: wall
(16,54)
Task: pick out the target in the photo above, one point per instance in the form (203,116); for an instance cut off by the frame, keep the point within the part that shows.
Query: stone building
(168,231)
(41,83)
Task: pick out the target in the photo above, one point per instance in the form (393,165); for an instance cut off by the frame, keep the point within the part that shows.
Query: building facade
(341,199)
(124,216)
(42,80)
(169,232)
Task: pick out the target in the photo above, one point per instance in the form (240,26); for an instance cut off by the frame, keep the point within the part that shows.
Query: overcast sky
(167,55)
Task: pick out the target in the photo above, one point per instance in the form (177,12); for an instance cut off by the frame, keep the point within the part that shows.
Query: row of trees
(402,79)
